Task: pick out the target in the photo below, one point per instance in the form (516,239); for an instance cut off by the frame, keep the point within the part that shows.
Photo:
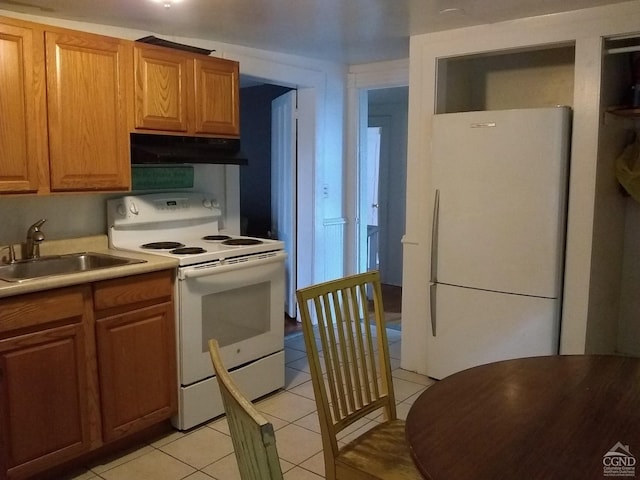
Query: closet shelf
(623,117)
(632,112)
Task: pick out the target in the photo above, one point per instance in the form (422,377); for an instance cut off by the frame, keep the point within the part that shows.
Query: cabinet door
(22,103)
(45,399)
(161,89)
(217,103)
(136,365)
(87,100)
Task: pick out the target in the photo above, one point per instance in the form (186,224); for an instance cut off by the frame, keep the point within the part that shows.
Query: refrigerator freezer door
(501,178)
(476,327)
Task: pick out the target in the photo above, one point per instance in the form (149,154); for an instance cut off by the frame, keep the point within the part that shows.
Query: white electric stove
(228,287)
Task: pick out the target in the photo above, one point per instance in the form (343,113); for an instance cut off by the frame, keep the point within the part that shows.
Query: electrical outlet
(325,191)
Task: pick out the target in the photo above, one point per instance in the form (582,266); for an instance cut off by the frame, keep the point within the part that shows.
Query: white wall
(321,105)
(80,215)
(525,79)
(584,29)
(68,216)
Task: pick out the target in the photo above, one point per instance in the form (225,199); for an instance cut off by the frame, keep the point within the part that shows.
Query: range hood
(169,149)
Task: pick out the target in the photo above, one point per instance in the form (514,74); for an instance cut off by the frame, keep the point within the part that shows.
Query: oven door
(240,304)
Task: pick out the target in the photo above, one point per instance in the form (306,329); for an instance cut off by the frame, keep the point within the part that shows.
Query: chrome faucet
(34,239)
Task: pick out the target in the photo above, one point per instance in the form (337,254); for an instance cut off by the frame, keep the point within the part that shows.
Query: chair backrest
(351,375)
(254,442)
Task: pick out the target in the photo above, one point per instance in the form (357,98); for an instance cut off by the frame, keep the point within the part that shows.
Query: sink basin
(61,265)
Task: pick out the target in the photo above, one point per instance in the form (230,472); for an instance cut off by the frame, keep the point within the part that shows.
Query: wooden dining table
(565,417)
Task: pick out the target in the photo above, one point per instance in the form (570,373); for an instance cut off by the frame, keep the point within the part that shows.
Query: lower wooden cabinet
(136,359)
(136,349)
(45,389)
(83,366)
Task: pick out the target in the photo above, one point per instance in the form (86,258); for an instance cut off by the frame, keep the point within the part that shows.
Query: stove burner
(162,245)
(216,238)
(242,241)
(188,251)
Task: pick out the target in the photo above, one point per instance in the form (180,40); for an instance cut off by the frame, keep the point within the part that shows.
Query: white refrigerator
(498,234)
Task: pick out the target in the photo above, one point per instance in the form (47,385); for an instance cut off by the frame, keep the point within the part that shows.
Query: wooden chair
(351,378)
(254,442)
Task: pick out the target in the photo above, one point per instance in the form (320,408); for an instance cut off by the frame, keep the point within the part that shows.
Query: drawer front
(33,309)
(134,290)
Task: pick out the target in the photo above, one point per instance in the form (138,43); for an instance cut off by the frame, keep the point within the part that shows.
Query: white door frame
(361,78)
(310,85)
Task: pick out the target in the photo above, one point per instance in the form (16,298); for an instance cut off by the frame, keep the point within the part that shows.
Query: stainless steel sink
(61,265)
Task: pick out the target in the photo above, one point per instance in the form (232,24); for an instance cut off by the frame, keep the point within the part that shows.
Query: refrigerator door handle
(432,307)
(434,261)
(434,237)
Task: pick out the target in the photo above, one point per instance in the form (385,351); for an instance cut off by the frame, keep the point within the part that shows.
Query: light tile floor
(207,453)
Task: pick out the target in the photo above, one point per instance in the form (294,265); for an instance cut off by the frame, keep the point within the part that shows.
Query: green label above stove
(150,177)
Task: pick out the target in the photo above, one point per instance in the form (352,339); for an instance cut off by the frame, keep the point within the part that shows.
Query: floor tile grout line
(297,370)
(185,463)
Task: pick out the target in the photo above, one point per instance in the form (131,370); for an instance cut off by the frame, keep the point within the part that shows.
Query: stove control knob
(208,203)
(133,209)
(121,210)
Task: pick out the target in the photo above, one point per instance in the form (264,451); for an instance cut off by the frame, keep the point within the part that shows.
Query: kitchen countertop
(97,244)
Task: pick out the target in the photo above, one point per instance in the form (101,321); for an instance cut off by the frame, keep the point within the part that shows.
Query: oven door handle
(235,264)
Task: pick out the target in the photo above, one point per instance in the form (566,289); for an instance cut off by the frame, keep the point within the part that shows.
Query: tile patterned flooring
(206,452)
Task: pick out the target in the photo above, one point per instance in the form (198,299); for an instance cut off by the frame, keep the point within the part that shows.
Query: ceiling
(344,31)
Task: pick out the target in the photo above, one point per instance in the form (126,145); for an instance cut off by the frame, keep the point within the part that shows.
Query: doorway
(268,182)
(255,184)
(381,186)
(382,182)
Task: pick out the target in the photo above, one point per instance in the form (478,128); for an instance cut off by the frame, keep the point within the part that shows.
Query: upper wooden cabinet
(184,93)
(161,89)
(217,103)
(69,100)
(87,111)
(23,136)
